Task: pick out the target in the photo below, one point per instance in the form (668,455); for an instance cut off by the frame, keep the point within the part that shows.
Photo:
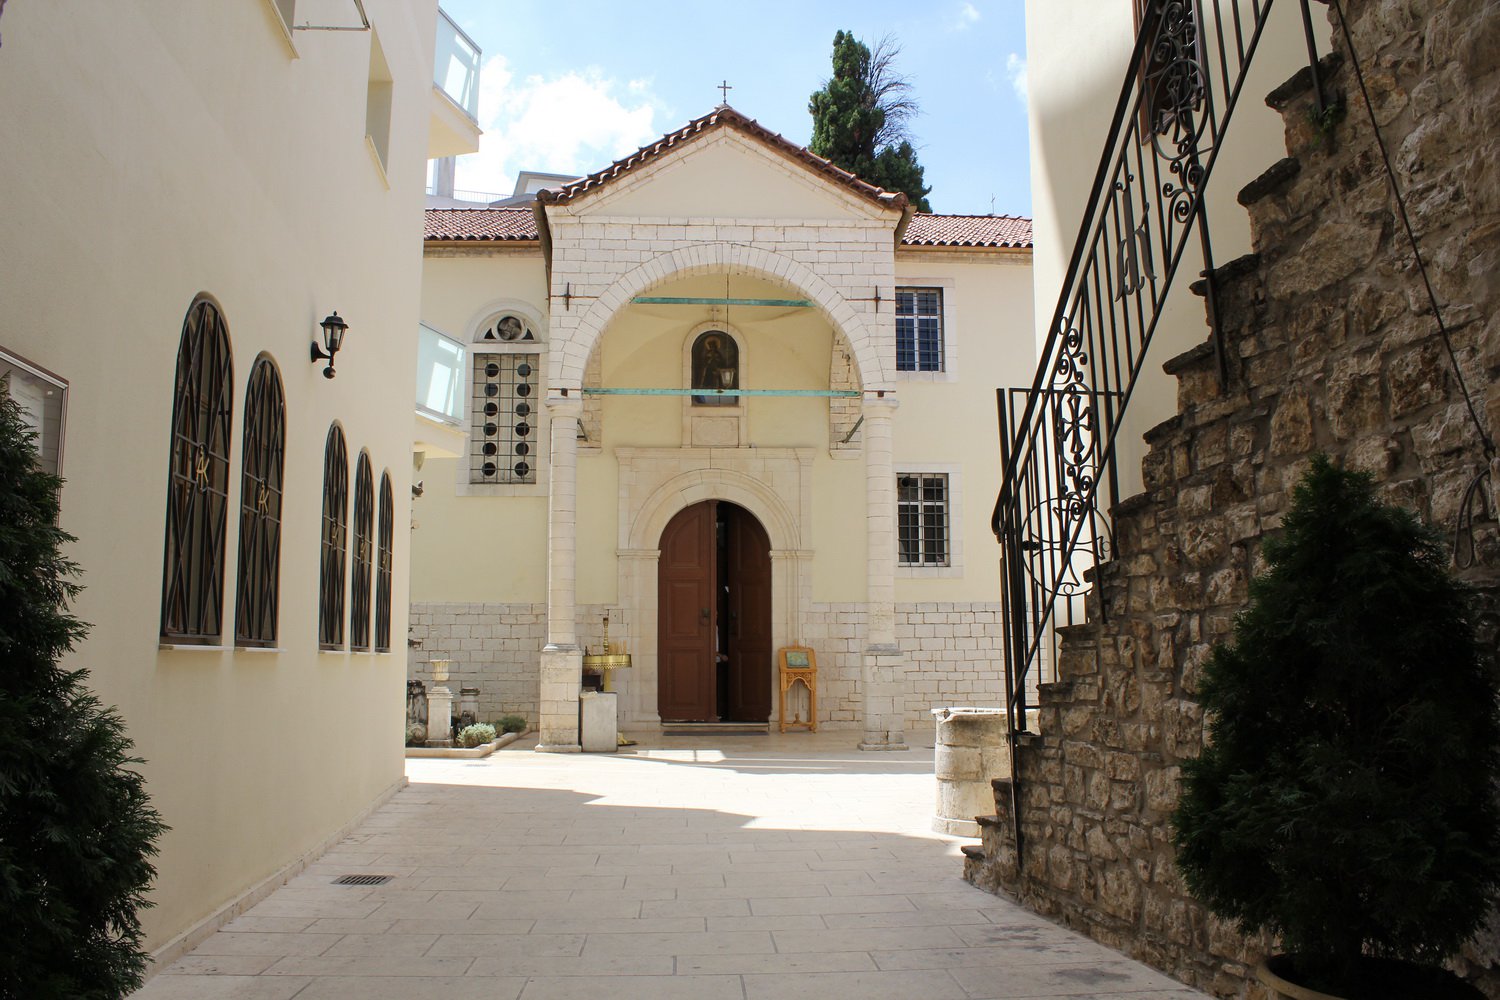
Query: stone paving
(732,868)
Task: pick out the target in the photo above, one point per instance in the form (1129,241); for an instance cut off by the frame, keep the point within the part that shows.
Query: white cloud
(574,122)
(968,15)
(1015,69)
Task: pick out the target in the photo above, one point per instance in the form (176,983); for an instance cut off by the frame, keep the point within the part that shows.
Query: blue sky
(571,85)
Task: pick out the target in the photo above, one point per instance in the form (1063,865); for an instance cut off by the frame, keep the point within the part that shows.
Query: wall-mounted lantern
(333,339)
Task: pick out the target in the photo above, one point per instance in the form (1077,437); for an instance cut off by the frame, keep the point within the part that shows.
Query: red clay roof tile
(967,231)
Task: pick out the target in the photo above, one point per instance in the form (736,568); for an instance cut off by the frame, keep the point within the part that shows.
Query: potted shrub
(1345,797)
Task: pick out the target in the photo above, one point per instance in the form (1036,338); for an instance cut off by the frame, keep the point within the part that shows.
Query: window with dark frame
(335,541)
(383,552)
(262,461)
(192,603)
(503,438)
(364,554)
(922,529)
(919,329)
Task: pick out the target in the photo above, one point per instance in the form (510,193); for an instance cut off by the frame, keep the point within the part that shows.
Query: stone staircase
(1328,349)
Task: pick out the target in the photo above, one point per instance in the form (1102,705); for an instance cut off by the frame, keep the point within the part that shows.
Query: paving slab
(742,867)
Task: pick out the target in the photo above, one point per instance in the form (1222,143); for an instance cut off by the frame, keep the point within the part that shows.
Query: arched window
(192,600)
(260,507)
(383,567)
(335,541)
(364,554)
(716,366)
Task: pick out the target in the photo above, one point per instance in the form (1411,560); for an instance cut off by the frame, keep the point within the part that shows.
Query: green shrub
(1345,796)
(476,735)
(76,829)
(512,724)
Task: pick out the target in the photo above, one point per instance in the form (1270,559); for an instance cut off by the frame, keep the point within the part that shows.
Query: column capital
(570,405)
(881,406)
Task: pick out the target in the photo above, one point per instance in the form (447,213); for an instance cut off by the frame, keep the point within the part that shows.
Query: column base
(561,676)
(869,745)
(884,700)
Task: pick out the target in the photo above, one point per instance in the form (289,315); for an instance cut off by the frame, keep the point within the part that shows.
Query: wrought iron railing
(1186,71)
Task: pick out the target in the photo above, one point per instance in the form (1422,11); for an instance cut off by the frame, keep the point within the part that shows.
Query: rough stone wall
(951,650)
(1332,347)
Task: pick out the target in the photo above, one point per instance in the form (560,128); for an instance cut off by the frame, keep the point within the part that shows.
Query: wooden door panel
(749,573)
(685,676)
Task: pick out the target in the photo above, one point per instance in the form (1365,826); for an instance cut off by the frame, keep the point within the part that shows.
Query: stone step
(973,851)
(1273,179)
(1300,82)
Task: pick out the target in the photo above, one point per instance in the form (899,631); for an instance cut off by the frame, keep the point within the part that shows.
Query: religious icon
(716,365)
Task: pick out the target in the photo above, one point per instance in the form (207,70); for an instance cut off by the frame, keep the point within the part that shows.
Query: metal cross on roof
(724,89)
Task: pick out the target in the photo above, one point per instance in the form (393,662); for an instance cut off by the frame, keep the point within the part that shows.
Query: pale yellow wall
(493,548)
(953,422)
(155,151)
(726,177)
(1076,56)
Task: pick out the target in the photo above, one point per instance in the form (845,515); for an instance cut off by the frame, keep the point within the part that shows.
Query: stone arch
(688,488)
(565,368)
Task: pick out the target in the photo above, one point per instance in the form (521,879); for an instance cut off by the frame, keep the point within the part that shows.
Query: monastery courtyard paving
(703,868)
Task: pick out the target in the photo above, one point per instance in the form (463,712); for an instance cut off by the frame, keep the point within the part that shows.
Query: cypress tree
(860,115)
(1345,797)
(76,829)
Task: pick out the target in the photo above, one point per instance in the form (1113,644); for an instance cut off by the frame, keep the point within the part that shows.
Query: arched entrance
(714,616)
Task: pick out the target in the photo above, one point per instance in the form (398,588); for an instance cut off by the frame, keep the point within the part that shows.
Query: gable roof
(518,225)
(722,117)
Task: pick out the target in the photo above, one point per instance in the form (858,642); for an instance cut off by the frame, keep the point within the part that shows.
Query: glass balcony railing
(440,376)
(456,66)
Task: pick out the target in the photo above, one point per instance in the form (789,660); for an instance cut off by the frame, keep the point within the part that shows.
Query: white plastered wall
(162,150)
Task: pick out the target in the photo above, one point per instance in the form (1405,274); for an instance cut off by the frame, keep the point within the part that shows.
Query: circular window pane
(490,409)
(524,370)
(490,468)
(489,448)
(491,389)
(522,448)
(522,468)
(523,429)
(509,329)
(491,370)
(490,430)
(523,409)
(523,389)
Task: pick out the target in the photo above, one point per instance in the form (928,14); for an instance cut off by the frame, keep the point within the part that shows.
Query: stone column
(562,659)
(883,704)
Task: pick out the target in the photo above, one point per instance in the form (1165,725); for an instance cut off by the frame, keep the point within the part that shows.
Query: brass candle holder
(607,661)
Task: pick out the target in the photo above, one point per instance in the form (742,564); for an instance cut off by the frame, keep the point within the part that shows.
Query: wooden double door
(714,631)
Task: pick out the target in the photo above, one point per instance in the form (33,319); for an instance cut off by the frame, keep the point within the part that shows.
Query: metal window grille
(919,329)
(192,600)
(383,567)
(335,542)
(503,441)
(263,458)
(922,519)
(364,554)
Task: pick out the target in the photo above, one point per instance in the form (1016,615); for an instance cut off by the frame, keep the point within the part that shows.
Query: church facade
(737,400)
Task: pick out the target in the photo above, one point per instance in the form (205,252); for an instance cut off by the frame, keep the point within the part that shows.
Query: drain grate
(363,879)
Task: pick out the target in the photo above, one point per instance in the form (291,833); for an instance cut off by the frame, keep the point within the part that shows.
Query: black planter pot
(1376,979)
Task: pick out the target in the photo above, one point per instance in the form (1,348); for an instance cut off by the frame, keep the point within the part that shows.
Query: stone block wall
(952,655)
(1332,347)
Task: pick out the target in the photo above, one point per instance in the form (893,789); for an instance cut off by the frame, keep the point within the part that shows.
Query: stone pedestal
(971,750)
(440,716)
(600,721)
(884,699)
(557,722)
